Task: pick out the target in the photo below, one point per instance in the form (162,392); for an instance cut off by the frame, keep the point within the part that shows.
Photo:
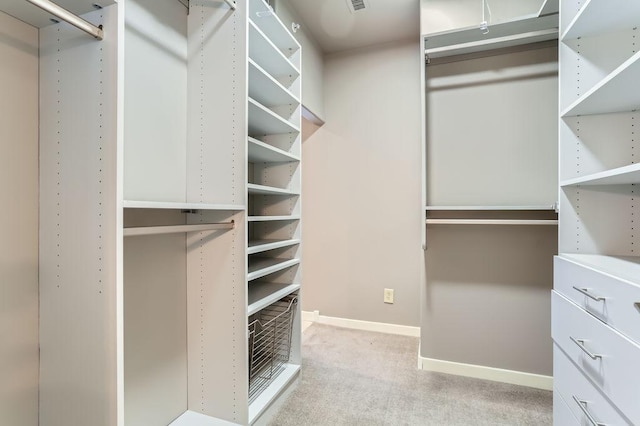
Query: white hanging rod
(494,208)
(490,222)
(65,15)
(175,229)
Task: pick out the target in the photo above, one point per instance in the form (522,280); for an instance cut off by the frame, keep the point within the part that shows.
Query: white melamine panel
(616,356)
(268,190)
(598,220)
(614,279)
(506,151)
(269,57)
(155,329)
(259,151)
(274,205)
(18,223)
(260,245)
(216,319)
(192,418)
(262,14)
(620,176)
(273,218)
(263,294)
(570,383)
(37,17)
(79,284)
(561,412)
(267,90)
(595,18)
(261,266)
(263,121)
(179,206)
(279,384)
(595,144)
(216,110)
(155,102)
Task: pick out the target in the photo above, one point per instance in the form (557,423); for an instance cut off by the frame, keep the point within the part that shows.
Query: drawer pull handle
(585,291)
(581,345)
(583,406)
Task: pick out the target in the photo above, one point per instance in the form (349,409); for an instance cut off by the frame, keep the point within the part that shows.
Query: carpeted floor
(352,377)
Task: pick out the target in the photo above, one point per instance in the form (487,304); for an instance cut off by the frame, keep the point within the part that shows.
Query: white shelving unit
(273,189)
(597,272)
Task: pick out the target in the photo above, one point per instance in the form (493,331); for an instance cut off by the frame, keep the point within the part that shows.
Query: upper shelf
(619,176)
(263,16)
(612,94)
(267,90)
(260,152)
(263,121)
(267,55)
(528,29)
(255,189)
(134,204)
(603,16)
(37,17)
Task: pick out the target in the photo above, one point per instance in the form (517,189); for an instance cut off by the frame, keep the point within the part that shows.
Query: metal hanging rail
(65,15)
(490,222)
(176,229)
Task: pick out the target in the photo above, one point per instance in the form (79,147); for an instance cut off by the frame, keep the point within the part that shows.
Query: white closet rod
(174,229)
(490,222)
(69,17)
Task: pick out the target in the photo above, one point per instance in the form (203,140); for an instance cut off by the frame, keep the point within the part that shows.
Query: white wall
(18,223)
(361,185)
(443,15)
(312,61)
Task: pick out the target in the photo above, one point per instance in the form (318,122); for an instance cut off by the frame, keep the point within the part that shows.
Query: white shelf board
(549,7)
(192,418)
(262,15)
(623,267)
(526,222)
(603,16)
(491,208)
(266,398)
(134,204)
(613,94)
(258,246)
(262,294)
(527,29)
(260,152)
(272,218)
(255,189)
(267,90)
(262,266)
(265,122)
(267,55)
(619,176)
(37,17)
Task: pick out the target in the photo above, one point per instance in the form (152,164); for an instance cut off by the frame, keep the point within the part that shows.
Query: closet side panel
(18,223)
(78,224)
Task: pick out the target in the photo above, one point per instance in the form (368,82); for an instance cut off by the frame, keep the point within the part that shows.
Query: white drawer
(574,387)
(616,368)
(562,415)
(618,308)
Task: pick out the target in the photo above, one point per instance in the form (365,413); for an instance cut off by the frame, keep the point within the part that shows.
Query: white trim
(487,373)
(380,327)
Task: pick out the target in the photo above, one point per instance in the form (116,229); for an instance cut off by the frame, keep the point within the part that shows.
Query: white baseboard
(487,373)
(380,327)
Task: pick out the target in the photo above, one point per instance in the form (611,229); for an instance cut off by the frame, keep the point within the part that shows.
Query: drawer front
(573,386)
(616,367)
(618,309)
(562,414)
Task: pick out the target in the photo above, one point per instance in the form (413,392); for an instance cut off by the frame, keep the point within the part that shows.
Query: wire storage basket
(270,343)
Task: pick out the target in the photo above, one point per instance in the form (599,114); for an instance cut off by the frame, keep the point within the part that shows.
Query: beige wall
(18,223)
(312,61)
(361,185)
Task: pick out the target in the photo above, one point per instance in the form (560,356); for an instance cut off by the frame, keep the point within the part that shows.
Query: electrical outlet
(388,295)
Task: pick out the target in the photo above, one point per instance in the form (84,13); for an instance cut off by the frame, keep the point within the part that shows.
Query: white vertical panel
(78,224)
(18,223)
(155,127)
(155,303)
(216,149)
(217,321)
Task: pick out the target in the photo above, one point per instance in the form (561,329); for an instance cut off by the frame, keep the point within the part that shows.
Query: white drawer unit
(604,286)
(603,355)
(585,401)
(561,412)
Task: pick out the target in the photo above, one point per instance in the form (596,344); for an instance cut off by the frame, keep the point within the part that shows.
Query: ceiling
(335,26)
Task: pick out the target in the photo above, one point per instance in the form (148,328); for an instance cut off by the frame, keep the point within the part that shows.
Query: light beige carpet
(352,377)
